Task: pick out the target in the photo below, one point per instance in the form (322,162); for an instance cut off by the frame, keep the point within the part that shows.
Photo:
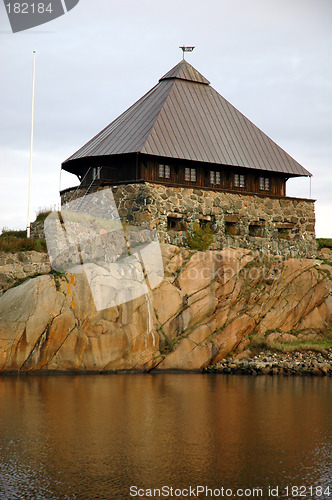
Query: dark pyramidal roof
(184,117)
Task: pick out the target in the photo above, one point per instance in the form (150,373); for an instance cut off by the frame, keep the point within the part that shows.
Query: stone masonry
(284,226)
(21,265)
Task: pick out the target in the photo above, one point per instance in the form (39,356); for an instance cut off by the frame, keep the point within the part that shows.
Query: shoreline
(297,363)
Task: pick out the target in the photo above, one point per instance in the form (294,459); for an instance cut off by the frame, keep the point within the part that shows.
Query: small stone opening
(205,223)
(231,228)
(175,224)
(256,230)
(284,230)
(283,233)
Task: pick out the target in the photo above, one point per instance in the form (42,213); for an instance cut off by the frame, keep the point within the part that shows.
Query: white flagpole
(310,189)
(31,139)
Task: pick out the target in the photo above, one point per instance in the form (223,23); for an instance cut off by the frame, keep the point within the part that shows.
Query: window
(190,174)
(96,173)
(283,233)
(256,230)
(205,223)
(264,183)
(175,224)
(214,177)
(231,228)
(164,171)
(239,180)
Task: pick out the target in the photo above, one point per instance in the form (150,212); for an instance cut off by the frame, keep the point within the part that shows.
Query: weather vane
(186,49)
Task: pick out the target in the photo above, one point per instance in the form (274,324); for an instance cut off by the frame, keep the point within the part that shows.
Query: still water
(93,437)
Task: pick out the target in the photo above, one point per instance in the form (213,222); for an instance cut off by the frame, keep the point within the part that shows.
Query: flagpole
(31,139)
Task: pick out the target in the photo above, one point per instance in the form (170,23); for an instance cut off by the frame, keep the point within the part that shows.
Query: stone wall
(21,265)
(284,226)
(37,230)
(71,195)
(279,225)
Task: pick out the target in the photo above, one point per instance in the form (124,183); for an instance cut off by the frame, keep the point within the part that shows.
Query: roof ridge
(185,71)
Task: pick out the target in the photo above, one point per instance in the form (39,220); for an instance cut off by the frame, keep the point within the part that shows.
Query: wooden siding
(113,169)
(149,171)
(127,168)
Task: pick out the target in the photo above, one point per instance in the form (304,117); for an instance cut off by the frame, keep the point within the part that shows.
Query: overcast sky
(272,59)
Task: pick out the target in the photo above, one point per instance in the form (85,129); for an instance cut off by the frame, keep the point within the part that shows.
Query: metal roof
(184,71)
(184,117)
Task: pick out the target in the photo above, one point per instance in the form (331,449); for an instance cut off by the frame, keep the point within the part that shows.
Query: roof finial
(186,49)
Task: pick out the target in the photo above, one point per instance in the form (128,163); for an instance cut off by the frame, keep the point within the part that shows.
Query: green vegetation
(324,243)
(57,279)
(200,237)
(42,216)
(321,343)
(16,241)
(23,280)
(13,233)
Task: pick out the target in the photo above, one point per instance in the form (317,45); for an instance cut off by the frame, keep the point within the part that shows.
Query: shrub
(324,243)
(14,244)
(42,216)
(200,237)
(15,234)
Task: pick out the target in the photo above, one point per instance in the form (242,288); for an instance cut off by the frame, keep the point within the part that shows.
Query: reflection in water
(90,437)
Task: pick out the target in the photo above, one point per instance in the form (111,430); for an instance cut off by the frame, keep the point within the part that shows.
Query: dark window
(96,173)
(283,233)
(239,180)
(231,228)
(264,183)
(164,171)
(175,224)
(205,223)
(214,177)
(256,230)
(190,174)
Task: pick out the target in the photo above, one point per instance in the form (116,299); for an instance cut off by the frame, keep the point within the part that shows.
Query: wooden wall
(126,168)
(149,170)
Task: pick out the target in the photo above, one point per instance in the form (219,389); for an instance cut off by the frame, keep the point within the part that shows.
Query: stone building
(181,154)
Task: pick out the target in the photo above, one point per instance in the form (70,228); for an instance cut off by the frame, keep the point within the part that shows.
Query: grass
(324,243)
(57,278)
(42,216)
(17,241)
(23,280)
(258,342)
(11,233)
(14,244)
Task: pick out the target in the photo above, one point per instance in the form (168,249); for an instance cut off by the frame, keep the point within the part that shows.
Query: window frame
(239,181)
(264,183)
(164,171)
(96,173)
(215,177)
(190,174)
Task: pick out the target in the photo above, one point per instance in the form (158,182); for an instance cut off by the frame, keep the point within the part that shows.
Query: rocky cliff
(207,303)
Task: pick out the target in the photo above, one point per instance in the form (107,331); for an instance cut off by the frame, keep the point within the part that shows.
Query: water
(92,437)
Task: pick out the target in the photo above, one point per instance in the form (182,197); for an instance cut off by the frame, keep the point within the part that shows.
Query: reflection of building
(183,153)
